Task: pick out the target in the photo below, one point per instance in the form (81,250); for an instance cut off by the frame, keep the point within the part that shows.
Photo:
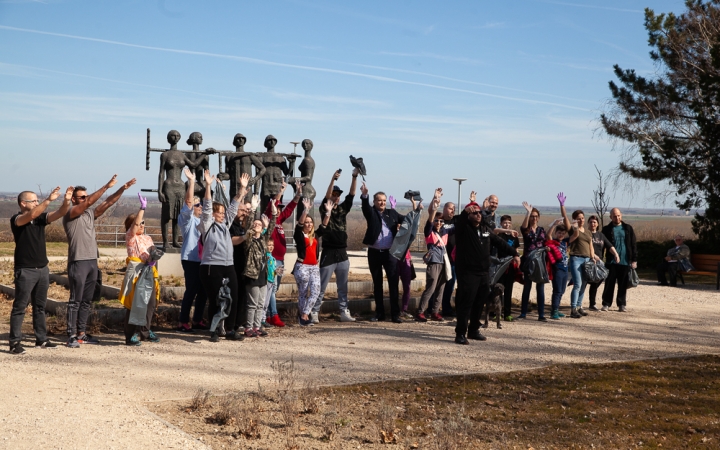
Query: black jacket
(473,245)
(335,236)
(630,242)
(299,239)
(372,217)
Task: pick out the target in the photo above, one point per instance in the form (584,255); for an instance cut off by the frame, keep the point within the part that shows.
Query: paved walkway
(93,397)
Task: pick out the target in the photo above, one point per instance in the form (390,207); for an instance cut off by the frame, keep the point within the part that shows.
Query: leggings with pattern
(308,282)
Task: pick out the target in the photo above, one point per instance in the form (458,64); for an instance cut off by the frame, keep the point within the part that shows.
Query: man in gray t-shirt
(79,224)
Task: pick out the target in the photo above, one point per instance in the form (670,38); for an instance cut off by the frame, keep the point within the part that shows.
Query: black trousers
(377,261)
(212,277)
(472,293)
(240,311)
(507,280)
(593,292)
(669,267)
(618,274)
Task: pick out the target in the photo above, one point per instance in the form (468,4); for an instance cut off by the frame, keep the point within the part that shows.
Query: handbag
(633,279)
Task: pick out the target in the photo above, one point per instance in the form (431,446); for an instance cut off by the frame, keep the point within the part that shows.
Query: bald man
(622,237)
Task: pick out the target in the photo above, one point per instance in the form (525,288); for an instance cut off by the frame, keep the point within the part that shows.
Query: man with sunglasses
(32,276)
(79,225)
(474,240)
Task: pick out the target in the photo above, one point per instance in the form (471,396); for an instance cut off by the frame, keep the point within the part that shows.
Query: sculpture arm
(197,162)
(161,178)
(259,170)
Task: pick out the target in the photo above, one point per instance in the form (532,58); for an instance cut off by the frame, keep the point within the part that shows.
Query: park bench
(704,265)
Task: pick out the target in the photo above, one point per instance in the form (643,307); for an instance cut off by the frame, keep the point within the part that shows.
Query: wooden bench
(704,265)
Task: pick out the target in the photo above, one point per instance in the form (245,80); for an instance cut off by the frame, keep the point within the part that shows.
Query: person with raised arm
(217,256)
(189,220)
(306,270)
(32,276)
(79,225)
(533,238)
(334,258)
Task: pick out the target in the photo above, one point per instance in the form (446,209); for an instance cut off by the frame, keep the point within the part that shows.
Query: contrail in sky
(290,66)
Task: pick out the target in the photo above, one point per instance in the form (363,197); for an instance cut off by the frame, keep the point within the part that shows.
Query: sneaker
(202,325)
(542,319)
(346,317)
(420,317)
(406,315)
(575,314)
(275,320)
(152,337)
(593,308)
(622,309)
(266,324)
(17,349)
(133,341)
(396,319)
(555,315)
(521,316)
(605,308)
(461,339)
(215,336)
(249,333)
(476,335)
(73,342)
(561,314)
(46,344)
(235,336)
(508,318)
(184,327)
(437,317)
(314,317)
(87,339)
(260,332)
(582,312)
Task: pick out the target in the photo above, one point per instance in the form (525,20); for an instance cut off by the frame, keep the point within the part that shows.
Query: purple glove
(561,199)
(152,263)
(143,202)
(392,202)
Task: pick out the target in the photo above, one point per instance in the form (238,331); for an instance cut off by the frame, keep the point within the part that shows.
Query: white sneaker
(604,308)
(314,318)
(345,316)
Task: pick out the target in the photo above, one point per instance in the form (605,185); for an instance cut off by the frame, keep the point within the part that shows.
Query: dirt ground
(103,396)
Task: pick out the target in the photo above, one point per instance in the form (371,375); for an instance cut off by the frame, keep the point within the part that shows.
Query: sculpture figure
(200,160)
(171,189)
(239,163)
(276,169)
(307,170)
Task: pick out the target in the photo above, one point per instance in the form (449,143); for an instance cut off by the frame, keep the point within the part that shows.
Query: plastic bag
(534,266)
(498,266)
(594,272)
(633,279)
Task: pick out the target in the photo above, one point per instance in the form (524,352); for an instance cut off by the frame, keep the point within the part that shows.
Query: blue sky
(505,94)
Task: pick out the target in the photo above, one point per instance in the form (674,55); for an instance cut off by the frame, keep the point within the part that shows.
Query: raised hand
(244,180)
(473,196)
(392,202)
(364,189)
(143,201)
(528,207)
(127,185)
(420,206)
(208,178)
(307,204)
(264,219)
(438,194)
(330,205)
(336,175)
(412,200)
(561,198)
(69,192)
(254,202)
(486,203)
(112,181)
(298,188)
(189,174)
(273,208)
(355,172)
(54,194)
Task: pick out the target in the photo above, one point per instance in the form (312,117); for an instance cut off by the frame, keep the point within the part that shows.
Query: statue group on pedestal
(271,169)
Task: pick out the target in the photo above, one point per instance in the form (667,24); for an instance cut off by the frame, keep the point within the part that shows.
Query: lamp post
(459,180)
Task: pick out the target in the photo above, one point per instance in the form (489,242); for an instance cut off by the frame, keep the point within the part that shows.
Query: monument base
(170,264)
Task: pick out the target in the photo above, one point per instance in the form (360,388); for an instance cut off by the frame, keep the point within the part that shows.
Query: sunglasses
(142,223)
(476,212)
(439,221)
(197,204)
(81,197)
(30,201)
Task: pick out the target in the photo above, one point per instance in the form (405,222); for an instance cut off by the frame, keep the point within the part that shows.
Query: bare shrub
(227,410)
(385,422)
(246,417)
(309,398)
(200,399)
(452,432)
(285,382)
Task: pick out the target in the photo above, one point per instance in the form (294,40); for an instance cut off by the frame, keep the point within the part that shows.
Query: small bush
(200,399)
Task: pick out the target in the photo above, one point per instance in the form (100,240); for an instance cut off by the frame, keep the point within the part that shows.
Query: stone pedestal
(170,264)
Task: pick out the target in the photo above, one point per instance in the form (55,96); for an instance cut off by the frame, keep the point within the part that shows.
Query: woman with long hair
(600,244)
(256,271)
(533,238)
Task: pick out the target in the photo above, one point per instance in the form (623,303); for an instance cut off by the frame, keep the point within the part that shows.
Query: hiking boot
(85,338)
(475,335)
(45,344)
(214,337)
(184,328)
(134,340)
(582,312)
(314,317)
(72,342)
(622,309)
(420,317)
(234,336)
(575,314)
(593,308)
(346,317)
(17,349)
(437,317)
(152,337)
(508,318)
(605,308)
(555,315)
(461,339)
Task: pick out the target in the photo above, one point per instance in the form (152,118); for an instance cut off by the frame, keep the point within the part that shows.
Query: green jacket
(256,250)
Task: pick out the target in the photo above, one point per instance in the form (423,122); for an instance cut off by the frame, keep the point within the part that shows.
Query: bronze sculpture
(307,170)
(200,160)
(276,169)
(239,163)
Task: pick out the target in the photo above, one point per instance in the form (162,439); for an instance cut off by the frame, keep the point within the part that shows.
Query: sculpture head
(239,141)
(307,145)
(270,143)
(173,137)
(195,138)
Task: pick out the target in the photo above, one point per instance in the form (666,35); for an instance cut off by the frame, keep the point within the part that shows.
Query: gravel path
(94,397)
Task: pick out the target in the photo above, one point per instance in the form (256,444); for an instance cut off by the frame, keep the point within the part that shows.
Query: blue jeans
(540,290)
(559,283)
(579,284)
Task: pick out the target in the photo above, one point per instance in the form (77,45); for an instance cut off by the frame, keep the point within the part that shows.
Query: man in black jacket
(474,239)
(382,225)
(622,237)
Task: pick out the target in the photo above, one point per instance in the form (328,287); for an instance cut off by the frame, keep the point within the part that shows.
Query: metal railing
(114,235)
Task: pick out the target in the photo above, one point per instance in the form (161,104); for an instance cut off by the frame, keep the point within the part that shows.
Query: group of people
(234,258)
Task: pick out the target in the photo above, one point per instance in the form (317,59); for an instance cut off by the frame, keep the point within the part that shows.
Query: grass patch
(663,403)
(53,248)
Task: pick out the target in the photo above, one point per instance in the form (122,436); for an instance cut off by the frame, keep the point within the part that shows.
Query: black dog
(495,301)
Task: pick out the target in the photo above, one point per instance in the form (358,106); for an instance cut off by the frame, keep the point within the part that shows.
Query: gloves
(143,202)
(392,202)
(561,198)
